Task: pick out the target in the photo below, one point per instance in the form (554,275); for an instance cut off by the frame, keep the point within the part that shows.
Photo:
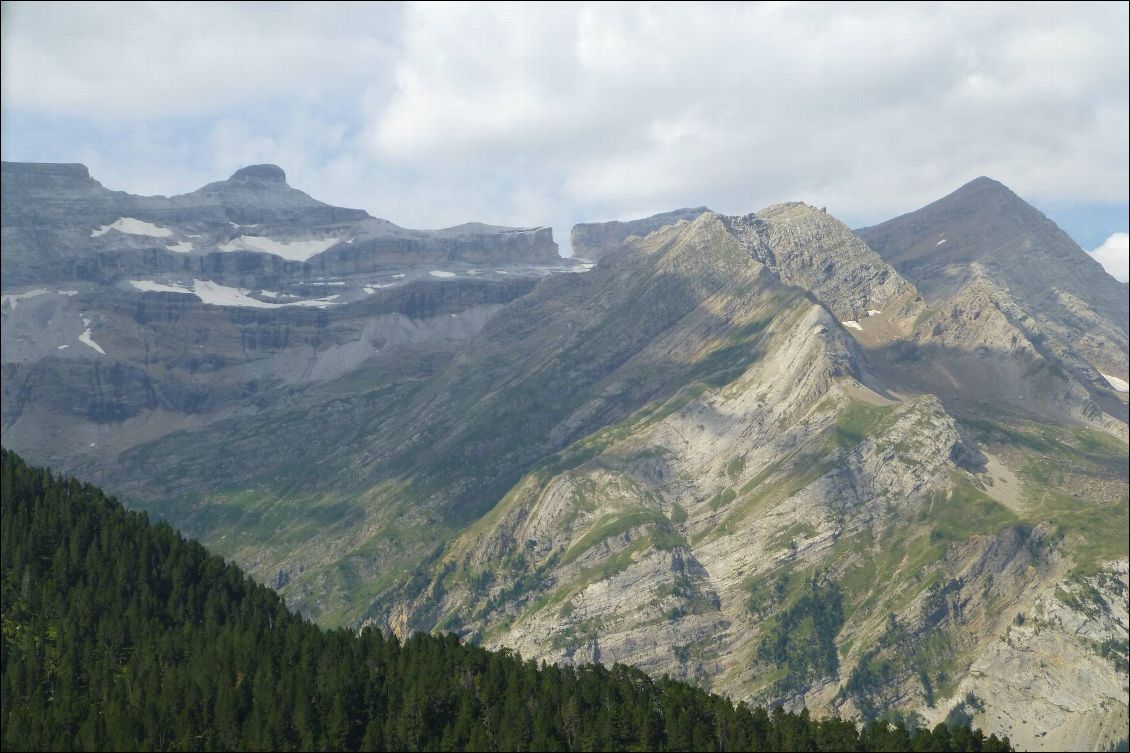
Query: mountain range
(866,472)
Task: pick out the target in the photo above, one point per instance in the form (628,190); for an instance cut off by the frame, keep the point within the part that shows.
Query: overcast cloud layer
(435,115)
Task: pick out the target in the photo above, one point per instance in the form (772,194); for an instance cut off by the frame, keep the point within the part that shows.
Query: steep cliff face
(127,318)
(253,229)
(89,375)
(1051,671)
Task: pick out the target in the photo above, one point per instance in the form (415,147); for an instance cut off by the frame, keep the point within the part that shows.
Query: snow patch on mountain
(149,286)
(221,295)
(1119,385)
(290,250)
(215,294)
(87,336)
(133,226)
(13,299)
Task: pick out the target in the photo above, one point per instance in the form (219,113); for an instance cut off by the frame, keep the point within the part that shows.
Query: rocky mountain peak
(71,170)
(259,174)
(260,195)
(984,183)
(793,210)
(811,249)
(31,177)
(983,229)
(984,196)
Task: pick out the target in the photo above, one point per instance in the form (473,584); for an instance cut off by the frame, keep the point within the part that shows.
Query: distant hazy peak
(45,179)
(259,174)
(257,179)
(257,193)
(592,239)
(74,170)
(985,182)
(481,228)
(686,213)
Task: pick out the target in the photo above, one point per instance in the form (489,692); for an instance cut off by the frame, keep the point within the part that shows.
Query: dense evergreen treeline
(122,635)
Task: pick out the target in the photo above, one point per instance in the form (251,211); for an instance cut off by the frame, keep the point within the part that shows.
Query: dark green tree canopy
(121,635)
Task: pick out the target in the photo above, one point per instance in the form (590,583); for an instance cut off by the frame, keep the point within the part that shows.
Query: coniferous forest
(121,635)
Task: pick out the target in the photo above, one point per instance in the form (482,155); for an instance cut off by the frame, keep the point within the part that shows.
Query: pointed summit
(984,202)
(984,182)
(985,194)
(982,223)
(983,230)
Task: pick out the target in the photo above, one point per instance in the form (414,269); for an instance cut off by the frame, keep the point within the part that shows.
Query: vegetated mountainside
(740,450)
(800,524)
(416,466)
(118,635)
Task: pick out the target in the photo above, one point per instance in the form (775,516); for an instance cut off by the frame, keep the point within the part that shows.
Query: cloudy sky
(549,115)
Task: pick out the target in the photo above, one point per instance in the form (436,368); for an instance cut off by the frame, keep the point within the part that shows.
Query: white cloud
(139,60)
(1114,255)
(865,108)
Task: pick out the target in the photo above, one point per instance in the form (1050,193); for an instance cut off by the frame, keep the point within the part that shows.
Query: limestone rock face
(1057,671)
(980,346)
(813,250)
